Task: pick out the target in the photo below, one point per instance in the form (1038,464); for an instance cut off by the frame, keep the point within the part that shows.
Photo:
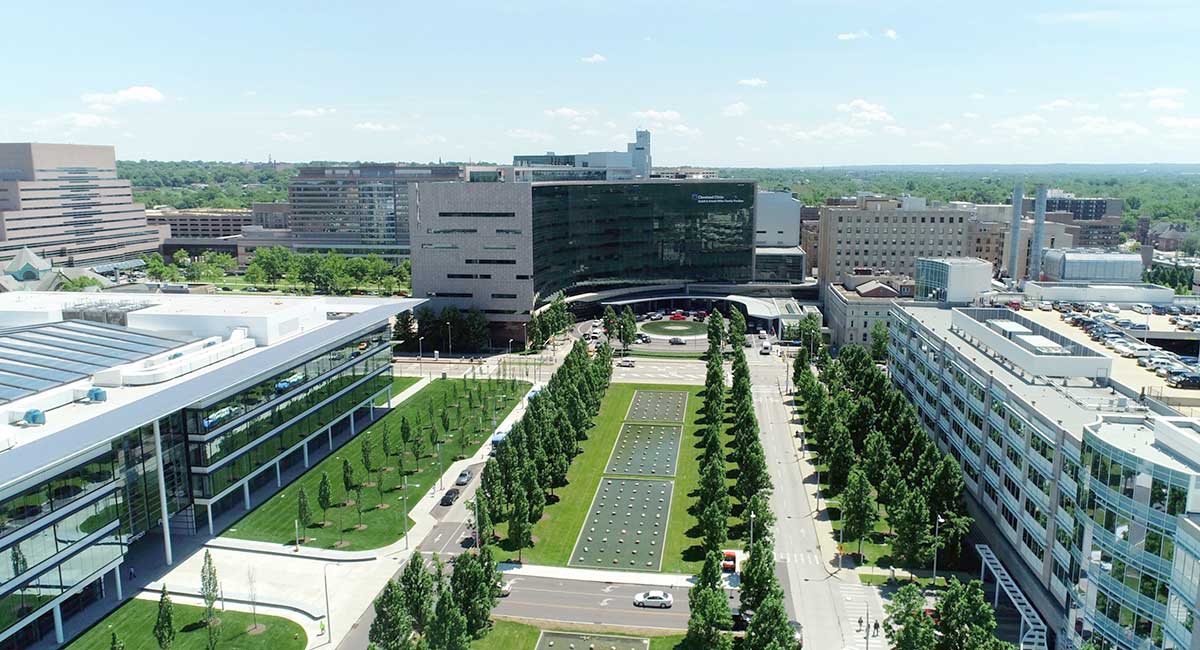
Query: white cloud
(1064,104)
(1165,104)
(1106,126)
(978,96)
(1160,99)
(576,115)
(864,111)
(528,134)
(894,130)
(1157,92)
(853,36)
(753,82)
(610,125)
(657,116)
(1030,124)
(827,131)
(736,109)
(1080,17)
(312,112)
(73,121)
(287,136)
(595,58)
(130,95)
(376,126)
(891,33)
(429,138)
(1181,123)
(250,93)
(930,144)
(686,131)
(945,126)
(971,116)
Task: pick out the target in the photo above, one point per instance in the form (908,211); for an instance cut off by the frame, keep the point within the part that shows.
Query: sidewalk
(513,570)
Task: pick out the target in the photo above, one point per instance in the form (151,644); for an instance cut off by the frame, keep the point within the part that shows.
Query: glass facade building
(596,234)
(65,527)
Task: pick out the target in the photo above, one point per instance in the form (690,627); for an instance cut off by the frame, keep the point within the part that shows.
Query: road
(595,603)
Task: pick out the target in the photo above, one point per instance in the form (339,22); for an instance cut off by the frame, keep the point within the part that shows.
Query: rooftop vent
(97,395)
(34,417)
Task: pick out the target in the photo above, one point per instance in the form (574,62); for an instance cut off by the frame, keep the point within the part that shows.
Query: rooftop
(153,356)
(1172,443)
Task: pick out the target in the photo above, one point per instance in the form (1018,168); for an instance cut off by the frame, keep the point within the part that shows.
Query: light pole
(440,470)
(478,539)
(841,541)
(328,612)
(752,518)
(420,355)
(936,544)
(405,498)
(449,342)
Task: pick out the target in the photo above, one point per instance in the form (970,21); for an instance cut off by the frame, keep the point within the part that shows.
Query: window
(504,296)
(447,294)
(483,215)
(489,261)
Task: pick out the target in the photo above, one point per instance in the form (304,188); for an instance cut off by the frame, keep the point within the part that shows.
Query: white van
(1142,308)
(766,348)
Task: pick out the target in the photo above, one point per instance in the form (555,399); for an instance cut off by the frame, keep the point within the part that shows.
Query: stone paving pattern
(626,525)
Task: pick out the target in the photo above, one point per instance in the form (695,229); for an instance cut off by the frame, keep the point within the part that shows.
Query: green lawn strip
(399,384)
(511,635)
(274,520)
(134,621)
(675,328)
(555,532)
(683,553)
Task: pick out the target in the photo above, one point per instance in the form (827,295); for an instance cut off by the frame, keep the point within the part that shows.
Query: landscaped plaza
(645,449)
(673,328)
(626,526)
(568,640)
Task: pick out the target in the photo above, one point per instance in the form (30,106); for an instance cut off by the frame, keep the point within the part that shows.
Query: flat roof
(1140,440)
(778,250)
(76,429)
(1074,401)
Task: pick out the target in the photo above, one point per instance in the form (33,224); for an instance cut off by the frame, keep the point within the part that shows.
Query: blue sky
(718,83)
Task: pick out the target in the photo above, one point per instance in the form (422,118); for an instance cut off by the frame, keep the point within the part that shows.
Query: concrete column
(278,476)
(208,511)
(246,493)
(352,431)
(305,454)
(329,432)
(58,631)
(120,589)
(162,494)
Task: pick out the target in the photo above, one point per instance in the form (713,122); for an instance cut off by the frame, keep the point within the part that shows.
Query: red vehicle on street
(678,316)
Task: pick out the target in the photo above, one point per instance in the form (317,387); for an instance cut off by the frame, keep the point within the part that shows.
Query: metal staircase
(1033,629)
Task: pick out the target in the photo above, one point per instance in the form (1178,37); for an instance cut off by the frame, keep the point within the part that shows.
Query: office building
(777,219)
(888,234)
(1103,232)
(810,240)
(1081,208)
(1079,264)
(1084,489)
(633,163)
(131,421)
(507,248)
(956,281)
(989,240)
(200,222)
(359,209)
(780,264)
(683,173)
(854,306)
(275,215)
(65,203)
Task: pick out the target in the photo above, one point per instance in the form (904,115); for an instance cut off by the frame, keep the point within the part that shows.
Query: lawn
(556,532)
(465,405)
(510,635)
(399,384)
(675,327)
(134,621)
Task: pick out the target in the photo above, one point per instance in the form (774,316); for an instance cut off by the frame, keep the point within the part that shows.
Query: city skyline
(809,84)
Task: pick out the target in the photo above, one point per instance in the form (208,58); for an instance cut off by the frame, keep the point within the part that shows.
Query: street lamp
(405,498)
(328,612)
(841,541)
(752,518)
(936,544)
(420,355)
(449,342)
(440,471)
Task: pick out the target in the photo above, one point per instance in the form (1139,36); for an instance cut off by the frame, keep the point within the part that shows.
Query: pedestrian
(132,574)
(876,633)
(860,623)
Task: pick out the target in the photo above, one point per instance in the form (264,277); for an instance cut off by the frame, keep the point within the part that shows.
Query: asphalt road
(594,603)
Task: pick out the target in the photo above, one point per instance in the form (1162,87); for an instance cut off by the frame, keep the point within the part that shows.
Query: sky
(719,83)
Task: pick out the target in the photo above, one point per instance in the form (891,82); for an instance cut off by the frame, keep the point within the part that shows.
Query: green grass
(399,384)
(273,521)
(134,621)
(559,526)
(510,635)
(674,327)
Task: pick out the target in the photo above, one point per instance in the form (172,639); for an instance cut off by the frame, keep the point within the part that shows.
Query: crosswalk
(808,557)
(861,601)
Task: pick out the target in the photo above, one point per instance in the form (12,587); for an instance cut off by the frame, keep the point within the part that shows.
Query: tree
(472,593)
(840,454)
(609,321)
(710,571)
(519,532)
(879,340)
(483,517)
(116,644)
(758,574)
(966,620)
(907,625)
(210,588)
(913,542)
(752,473)
(164,625)
(858,508)
(416,586)
(392,628)
(770,629)
(181,258)
(303,514)
(255,275)
(709,616)
(325,497)
(876,456)
(713,526)
(348,480)
(737,328)
(81,283)
(626,328)
(716,332)
(448,630)
(368,453)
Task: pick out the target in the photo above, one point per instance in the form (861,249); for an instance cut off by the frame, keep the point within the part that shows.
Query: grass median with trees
(362,506)
(134,622)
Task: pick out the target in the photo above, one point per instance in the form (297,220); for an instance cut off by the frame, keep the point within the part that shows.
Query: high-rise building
(989,241)
(633,163)
(275,215)
(1082,208)
(65,203)
(200,222)
(888,234)
(505,248)
(129,421)
(359,209)
(777,219)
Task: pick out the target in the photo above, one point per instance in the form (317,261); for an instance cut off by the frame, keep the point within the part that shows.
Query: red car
(678,317)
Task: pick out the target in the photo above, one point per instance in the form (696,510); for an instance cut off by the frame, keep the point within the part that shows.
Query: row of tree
(534,457)
(878,454)
(448,331)
(548,323)
(210,589)
(623,328)
(426,609)
(327,273)
(760,592)
(209,267)
(965,619)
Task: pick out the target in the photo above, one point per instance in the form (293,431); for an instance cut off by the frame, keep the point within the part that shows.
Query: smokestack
(1039,228)
(1014,232)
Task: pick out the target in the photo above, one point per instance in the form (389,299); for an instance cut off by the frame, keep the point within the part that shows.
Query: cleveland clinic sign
(715,198)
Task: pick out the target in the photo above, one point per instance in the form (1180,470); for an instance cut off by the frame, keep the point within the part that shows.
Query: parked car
(1158,310)
(450,497)
(675,340)
(762,334)
(678,317)
(1112,308)
(656,316)
(625,363)
(797,633)
(464,477)
(1045,306)
(1141,308)
(741,619)
(1188,380)
(654,598)
(1027,305)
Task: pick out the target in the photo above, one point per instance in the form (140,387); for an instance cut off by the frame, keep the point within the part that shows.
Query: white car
(659,599)
(762,334)
(504,588)
(1112,308)
(1045,306)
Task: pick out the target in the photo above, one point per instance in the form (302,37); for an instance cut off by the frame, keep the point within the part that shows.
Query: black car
(464,477)
(741,619)
(450,497)
(1185,380)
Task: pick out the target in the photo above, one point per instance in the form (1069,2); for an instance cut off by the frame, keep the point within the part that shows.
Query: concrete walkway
(513,570)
